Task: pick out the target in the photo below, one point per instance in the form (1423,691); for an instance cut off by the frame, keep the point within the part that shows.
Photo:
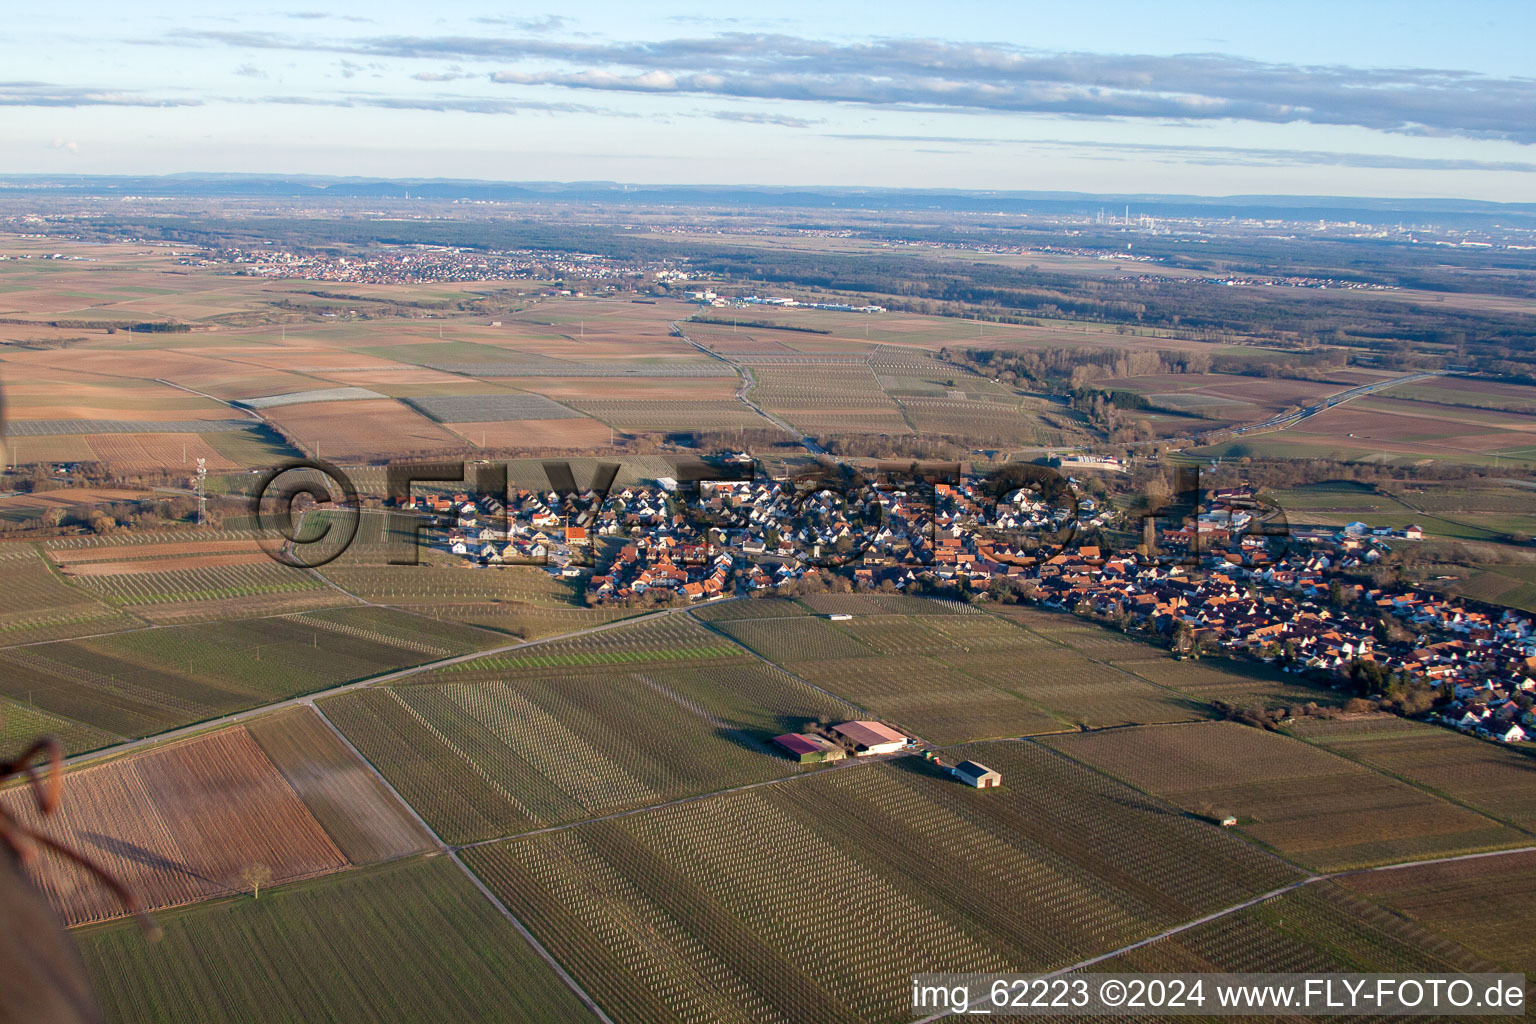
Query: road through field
(743,393)
(309,698)
(1245,904)
(1338,398)
(453,855)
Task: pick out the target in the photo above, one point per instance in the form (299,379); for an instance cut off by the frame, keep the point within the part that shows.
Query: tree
(255,876)
(1183,642)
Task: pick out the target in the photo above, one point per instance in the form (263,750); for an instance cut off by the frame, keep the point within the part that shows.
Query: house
(808,749)
(978,775)
(871,737)
(1513,734)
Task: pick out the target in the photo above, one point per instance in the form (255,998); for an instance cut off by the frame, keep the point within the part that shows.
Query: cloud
(648,81)
(453,74)
(547,23)
(783,120)
(940,75)
(321,15)
(67,145)
(350,69)
(443,104)
(43,94)
(250,71)
(1219,156)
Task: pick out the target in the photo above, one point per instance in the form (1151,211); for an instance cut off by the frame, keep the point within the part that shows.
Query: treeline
(1064,369)
(110,326)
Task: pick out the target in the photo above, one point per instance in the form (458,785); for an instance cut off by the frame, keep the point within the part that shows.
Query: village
(429,264)
(1221,582)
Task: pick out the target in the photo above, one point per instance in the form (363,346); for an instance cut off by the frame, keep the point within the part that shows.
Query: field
(1234,682)
(140,682)
(365,821)
(1512,585)
(835,397)
(1483,904)
(1492,778)
(412,943)
(502,405)
(522,601)
(1481,393)
(504,745)
(669,915)
(671,415)
(1460,511)
(36,604)
(21,723)
(1323,928)
(1394,430)
(760,608)
(1319,810)
(177,824)
(359,429)
(577,433)
(952,678)
(202,587)
(1214,399)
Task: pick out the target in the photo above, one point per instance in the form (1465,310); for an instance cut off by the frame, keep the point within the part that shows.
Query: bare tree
(255,876)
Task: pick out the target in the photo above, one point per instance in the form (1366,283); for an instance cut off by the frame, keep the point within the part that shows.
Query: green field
(144,681)
(410,941)
(1316,809)
(1511,585)
(521,601)
(817,899)
(198,585)
(37,604)
(22,723)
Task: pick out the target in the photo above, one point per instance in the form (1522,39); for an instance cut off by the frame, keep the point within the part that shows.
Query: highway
(1286,420)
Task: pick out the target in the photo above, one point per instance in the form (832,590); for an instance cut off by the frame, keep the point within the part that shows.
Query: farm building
(809,749)
(973,773)
(871,737)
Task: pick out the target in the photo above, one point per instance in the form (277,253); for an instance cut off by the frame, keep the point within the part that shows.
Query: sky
(1347,97)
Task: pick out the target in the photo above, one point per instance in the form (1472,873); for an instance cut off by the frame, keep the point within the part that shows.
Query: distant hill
(813,197)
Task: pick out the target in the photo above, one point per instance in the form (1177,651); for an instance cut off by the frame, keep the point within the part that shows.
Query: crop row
(175,834)
(411,942)
(200,584)
(491,757)
(669,915)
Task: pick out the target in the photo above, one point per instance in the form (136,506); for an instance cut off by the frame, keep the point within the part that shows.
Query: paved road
(453,855)
(1286,420)
(1245,904)
(748,382)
